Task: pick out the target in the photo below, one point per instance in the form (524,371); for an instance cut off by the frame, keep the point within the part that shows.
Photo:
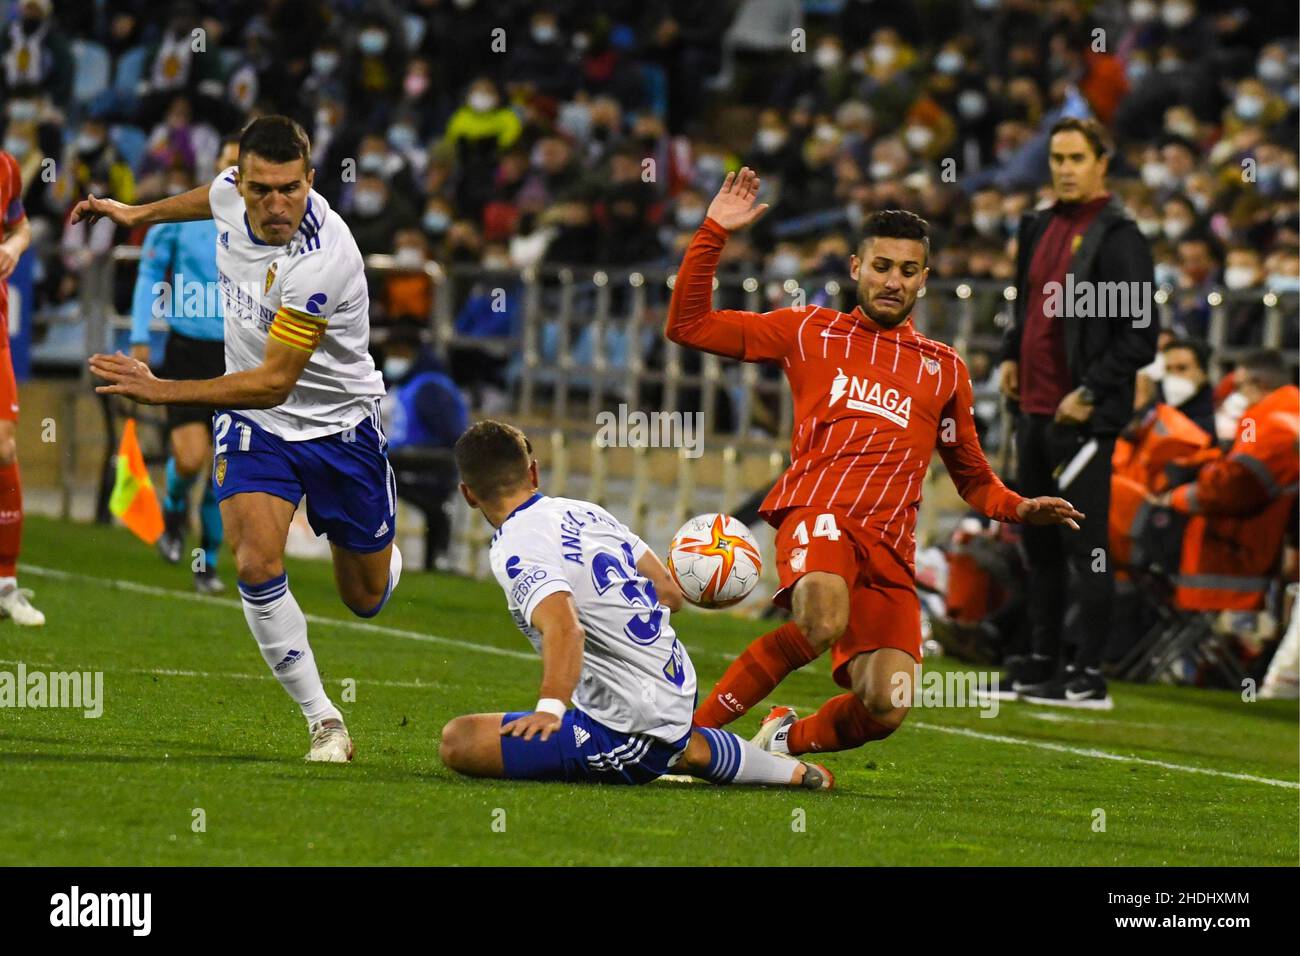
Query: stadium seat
(130,141)
(127,76)
(94,70)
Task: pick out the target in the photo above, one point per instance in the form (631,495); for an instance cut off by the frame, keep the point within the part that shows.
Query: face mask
(1290,178)
(1149,227)
(543,33)
(1278,282)
(881,170)
(1228,415)
(826,133)
(22,110)
(370,163)
(88,142)
(1137,72)
(949,62)
(1174,228)
(1177,14)
(1182,128)
(1166,274)
(17,146)
(415,84)
(710,171)
(373,42)
(883,54)
(436,221)
(1200,201)
(1154,175)
(918,138)
(770,140)
(368,202)
(971,104)
(481,101)
(324,62)
(1248,107)
(409,257)
(396,367)
(496,263)
(1239,277)
(402,137)
(1272,71)
(1142,11)
(827,57)
(689,217)
(1177,389)
(987,223)
(783,265)
(1171,65)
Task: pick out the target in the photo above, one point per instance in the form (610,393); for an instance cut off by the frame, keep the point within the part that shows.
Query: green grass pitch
(193,722)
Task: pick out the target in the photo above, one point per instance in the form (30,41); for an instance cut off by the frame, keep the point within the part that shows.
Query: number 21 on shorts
(823,527)
(219,429)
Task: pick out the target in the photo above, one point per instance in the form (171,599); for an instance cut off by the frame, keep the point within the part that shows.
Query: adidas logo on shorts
(383,530)
(580,736)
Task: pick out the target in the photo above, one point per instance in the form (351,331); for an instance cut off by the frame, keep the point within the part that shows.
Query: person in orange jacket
(1241,504)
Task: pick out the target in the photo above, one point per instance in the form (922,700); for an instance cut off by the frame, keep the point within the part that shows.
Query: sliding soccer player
(594,601)
(298,407)
(873,400)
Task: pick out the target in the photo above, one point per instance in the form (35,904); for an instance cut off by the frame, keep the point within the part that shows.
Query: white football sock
(278,624)
(733,759)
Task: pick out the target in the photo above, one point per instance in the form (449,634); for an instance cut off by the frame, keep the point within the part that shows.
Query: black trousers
(1070,584)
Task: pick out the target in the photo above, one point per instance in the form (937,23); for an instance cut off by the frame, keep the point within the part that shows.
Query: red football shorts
(883,607)
(8,386)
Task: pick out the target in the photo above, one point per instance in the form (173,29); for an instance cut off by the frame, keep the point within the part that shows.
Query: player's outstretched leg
(580,748)
(820,606)
(870,712)
(366,580)
(257,524)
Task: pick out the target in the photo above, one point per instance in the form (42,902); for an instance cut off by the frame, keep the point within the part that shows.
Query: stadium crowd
(508,134)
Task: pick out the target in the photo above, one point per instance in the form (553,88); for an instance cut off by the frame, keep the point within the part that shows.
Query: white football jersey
(636,676)
(319,272)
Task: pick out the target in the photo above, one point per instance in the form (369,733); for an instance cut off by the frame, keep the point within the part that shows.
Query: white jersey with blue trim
(319,272)
(636,676)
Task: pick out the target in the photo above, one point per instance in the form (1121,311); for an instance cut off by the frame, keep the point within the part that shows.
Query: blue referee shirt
(182,257)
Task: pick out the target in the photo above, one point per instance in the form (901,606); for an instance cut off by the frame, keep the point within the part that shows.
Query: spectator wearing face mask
(424,413)
(377,214)
(1198,276)
(91,158)
(1180,378)
(543,59)
(1253,105)
(478,134)
(380,62)
(36,58)
(408,290)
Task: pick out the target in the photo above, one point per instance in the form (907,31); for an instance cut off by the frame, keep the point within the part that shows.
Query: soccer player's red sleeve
(964,458)
(692,320)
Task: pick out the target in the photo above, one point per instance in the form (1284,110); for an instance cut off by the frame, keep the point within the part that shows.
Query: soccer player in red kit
(16,235)
(873,400)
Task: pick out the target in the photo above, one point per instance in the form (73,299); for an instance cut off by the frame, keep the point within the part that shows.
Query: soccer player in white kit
(297,410)
(594,601)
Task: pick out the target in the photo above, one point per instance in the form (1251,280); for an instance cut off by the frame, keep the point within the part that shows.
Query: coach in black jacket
(1084,323)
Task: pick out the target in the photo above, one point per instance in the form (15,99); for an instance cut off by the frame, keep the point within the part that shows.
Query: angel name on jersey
(571,526)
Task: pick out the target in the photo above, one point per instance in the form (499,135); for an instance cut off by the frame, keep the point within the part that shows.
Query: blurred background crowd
(506,134)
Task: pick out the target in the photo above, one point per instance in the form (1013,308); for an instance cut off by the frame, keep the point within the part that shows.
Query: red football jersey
(11,208)
(871,404)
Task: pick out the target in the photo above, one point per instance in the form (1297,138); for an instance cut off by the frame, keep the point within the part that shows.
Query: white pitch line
(488,649)
(1104,755)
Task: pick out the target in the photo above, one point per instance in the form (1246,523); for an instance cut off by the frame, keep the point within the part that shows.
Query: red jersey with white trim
(11,209)
(871,404)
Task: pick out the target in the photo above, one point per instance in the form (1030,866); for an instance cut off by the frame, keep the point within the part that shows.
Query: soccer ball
(714,560)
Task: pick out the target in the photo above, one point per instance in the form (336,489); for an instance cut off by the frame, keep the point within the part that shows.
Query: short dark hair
(493,459)
(277,139)
(1198,347)
(896,224)
(1091,130)
(1268,366)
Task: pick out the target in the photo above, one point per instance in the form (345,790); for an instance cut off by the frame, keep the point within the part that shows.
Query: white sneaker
(330,742)
(14,604)
(776,726)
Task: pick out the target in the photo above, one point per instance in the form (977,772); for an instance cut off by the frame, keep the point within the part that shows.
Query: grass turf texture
(192,720)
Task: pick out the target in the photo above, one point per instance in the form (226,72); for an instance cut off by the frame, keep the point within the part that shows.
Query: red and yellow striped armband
(298,330)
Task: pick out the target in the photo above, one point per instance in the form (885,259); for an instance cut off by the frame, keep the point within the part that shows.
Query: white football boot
(330,742)
(14,603)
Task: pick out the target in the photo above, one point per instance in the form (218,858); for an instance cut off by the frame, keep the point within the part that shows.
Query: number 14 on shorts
(823,527)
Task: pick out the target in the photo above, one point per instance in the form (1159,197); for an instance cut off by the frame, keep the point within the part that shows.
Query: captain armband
(298,330)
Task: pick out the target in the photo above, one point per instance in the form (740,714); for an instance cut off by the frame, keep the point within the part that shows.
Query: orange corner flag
(134,500)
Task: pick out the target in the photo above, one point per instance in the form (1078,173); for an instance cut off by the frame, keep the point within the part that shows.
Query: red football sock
(754,674)
(842,724)
(11,519)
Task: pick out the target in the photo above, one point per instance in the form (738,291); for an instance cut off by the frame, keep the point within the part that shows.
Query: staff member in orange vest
(1245,499)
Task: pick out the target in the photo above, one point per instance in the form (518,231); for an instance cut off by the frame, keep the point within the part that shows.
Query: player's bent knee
(884,708)
(453,744)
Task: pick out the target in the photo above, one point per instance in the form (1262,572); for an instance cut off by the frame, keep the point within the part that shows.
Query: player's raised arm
(181,208)
(692,320)
(976,482)
(556,616)
(650,567)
